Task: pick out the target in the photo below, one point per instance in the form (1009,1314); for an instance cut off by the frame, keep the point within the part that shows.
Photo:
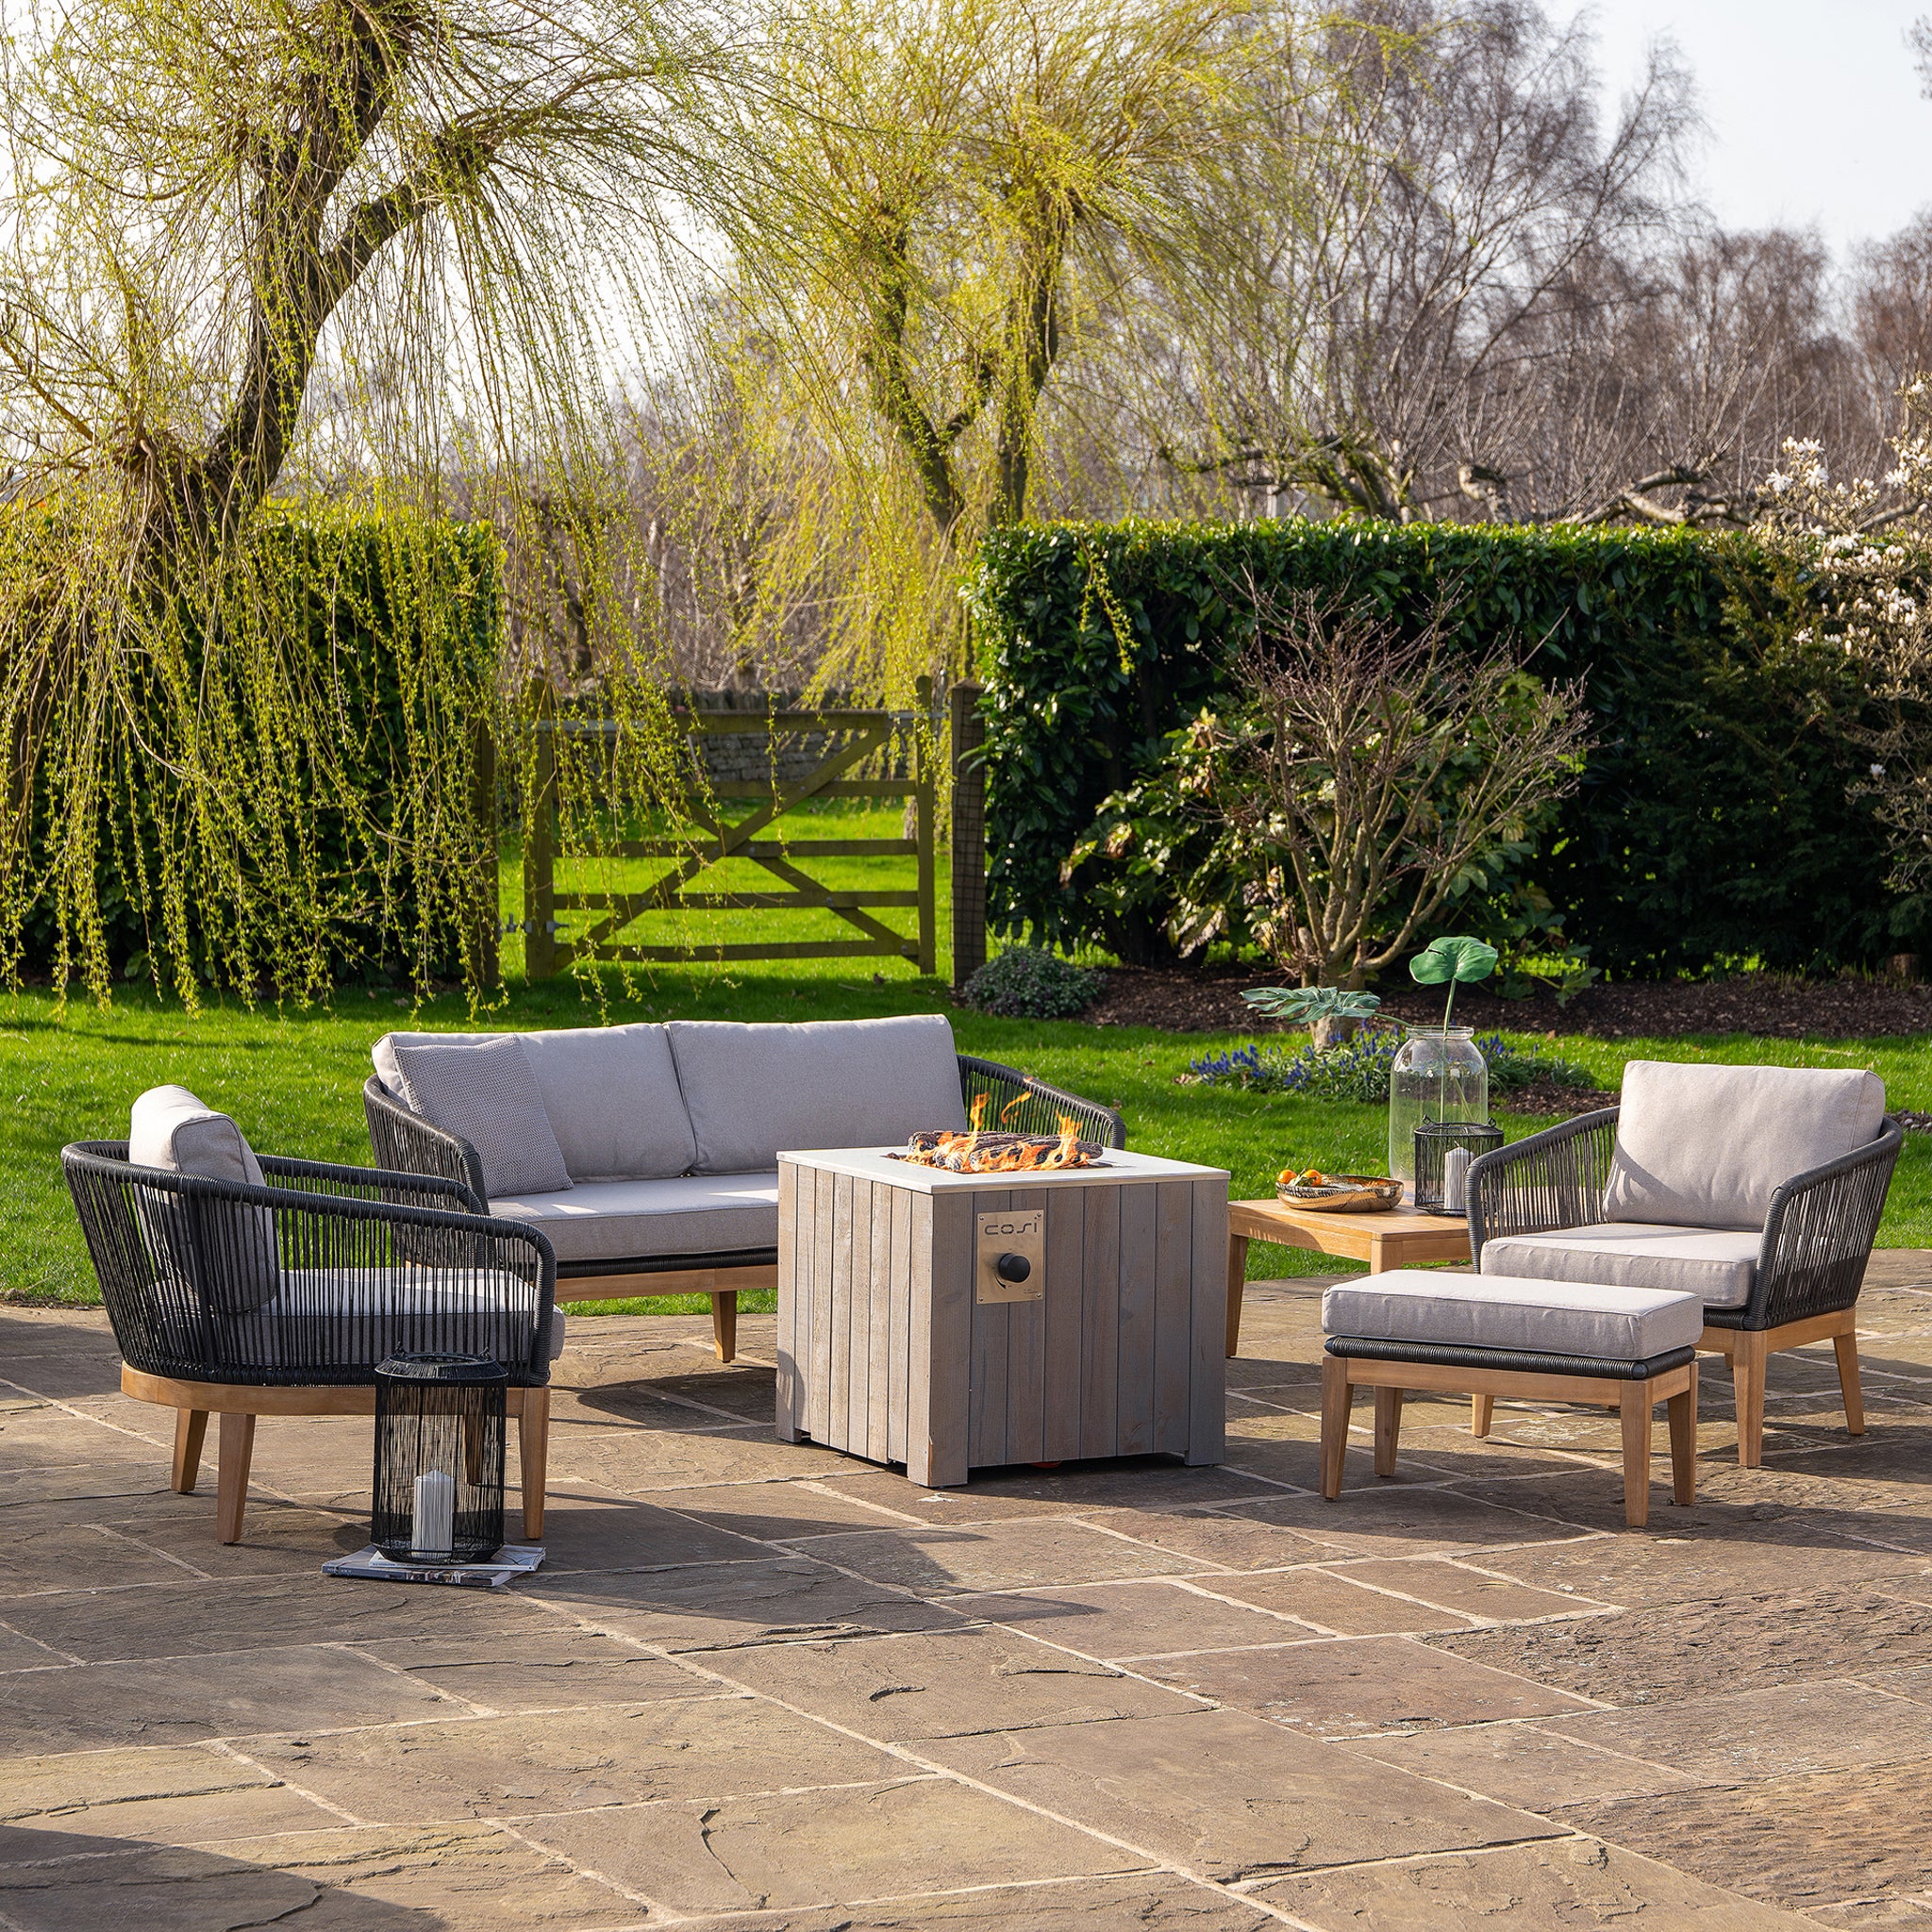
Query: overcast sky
(1815,113)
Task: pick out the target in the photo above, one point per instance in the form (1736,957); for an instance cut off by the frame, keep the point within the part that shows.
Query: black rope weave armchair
(405,1142)
(1810,1257)
(240,1301)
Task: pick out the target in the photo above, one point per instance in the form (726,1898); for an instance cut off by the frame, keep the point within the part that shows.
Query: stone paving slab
(763,1688)
(1231,1797)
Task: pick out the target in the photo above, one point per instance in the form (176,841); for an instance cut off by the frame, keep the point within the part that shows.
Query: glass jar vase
(1438,1074)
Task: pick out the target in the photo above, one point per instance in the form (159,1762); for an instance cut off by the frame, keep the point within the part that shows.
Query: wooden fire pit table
(1401,1237)
(954,1321)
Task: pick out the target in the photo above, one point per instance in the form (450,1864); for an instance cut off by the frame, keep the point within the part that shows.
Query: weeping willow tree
(254,249)
(959,194)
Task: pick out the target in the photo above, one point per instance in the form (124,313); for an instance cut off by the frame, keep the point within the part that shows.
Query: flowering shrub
(1358,1069)
(1024,983)
(1857,554)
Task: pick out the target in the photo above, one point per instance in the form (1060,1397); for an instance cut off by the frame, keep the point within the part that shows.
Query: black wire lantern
(1443,1150)
(439,1459)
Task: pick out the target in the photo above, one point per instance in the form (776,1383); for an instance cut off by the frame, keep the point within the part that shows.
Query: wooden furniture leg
(232,1457)
(1634,1403)
(1481,1408)
(1337,1399)
(1388,1429)
(533,1447)
(1747,1377)
(724,1323)
(1846,1346)
(1237,1282)
(1683,1412)
(190,1431)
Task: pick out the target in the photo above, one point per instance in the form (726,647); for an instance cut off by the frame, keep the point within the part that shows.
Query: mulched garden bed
(1183,1000)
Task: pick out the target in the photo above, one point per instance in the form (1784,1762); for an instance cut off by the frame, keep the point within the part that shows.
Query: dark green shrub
(1714,823)
(1022,983)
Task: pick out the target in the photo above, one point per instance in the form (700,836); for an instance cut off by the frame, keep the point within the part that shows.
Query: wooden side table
(1402,1238)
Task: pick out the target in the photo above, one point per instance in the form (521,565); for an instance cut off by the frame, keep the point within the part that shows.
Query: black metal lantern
(439,1459)
(1443,1150)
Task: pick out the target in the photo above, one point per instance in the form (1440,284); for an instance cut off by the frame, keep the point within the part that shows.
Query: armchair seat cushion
(1498,1312)
(1717,1265)
(332,1319)
(619,1221)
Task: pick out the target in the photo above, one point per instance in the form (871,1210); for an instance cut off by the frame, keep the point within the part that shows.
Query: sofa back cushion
(224,1249)
(610,1092)
(486,1091)
(1707,1146)
(754,1092)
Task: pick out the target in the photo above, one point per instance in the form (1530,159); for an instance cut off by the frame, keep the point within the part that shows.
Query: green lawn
(293,1080)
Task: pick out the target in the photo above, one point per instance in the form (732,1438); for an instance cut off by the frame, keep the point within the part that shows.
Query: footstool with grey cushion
(1758,1190)
(1624,1348)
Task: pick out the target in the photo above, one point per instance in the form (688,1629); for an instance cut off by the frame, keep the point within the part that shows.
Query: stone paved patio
(761,1687)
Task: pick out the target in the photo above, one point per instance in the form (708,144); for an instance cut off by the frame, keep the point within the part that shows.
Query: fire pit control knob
(1014,1268)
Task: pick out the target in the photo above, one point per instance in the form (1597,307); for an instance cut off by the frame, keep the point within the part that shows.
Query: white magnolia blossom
(1866,547)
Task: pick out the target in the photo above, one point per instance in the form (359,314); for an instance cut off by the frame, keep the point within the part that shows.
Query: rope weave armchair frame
(1811,1259)
(243,1301)
(406,1143)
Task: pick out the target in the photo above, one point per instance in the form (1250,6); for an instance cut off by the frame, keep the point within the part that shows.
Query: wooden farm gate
(856,737)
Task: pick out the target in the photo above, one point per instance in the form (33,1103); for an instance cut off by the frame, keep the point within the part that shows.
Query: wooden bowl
(1348,1193)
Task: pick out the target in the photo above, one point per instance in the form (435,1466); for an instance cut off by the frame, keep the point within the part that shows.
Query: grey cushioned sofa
(656,1146)
(1758,1190)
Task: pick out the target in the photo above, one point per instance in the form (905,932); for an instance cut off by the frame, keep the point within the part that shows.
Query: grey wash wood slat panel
(840,1404)
(986,1442)
(1173,1314)
(919,1354)
(1026,1360)
(859,1372)
(822,1308)
(878,1329)
(905,1263)
(1063,1398)
(1100,1321)
(1207,1370)
(1134,1419)
(947,1407)
(786,1418)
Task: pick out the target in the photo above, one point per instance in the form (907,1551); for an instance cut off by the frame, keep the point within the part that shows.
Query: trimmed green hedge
(1715,823)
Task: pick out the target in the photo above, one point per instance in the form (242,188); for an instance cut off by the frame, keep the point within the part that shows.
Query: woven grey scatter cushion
(224,1249)
(610,1092)
(486,1091)
(1707,1146)
(755,1092)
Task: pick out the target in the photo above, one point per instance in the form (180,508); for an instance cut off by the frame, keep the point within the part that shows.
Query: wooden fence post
(489,919)
(922,799)
(969,835)
(539,852)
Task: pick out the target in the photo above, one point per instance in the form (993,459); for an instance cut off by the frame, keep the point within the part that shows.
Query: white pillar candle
(1455,1178)
(432,1521)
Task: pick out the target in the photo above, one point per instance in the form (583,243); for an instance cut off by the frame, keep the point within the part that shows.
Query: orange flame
(978,1152)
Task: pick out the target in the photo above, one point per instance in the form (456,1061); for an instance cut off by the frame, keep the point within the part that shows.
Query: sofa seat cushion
(1514,1312)
(486,1091)
(333,1319)
(1707,1146)
(621,1221)
(756,1091)
(610,1092)
(1717,1265)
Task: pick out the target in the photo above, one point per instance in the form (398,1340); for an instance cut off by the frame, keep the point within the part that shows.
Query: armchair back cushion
(226,1249)
(486,1091)
(753,1091)
(1707,1146)
(611,1094)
